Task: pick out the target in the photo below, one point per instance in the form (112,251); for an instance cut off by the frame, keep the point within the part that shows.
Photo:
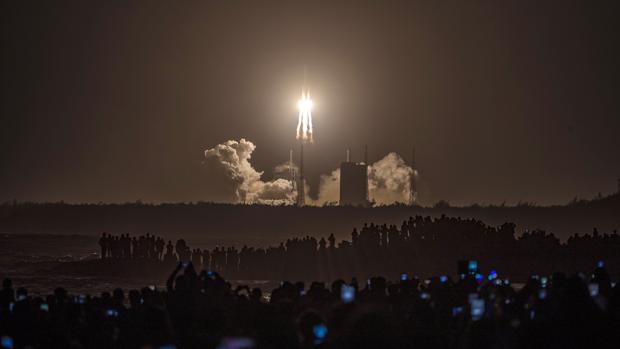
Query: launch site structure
(413,190)
(301,194)
(354,181)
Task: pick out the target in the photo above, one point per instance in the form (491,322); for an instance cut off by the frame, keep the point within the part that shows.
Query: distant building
(353,184)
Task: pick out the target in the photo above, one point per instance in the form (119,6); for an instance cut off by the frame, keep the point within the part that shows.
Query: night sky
(504,101)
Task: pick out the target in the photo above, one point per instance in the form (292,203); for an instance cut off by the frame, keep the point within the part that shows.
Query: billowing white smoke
(232,178)
(287,170)
(231,172)
(389,180)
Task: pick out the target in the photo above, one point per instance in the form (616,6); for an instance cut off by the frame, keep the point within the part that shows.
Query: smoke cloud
(231,173)
(389,180)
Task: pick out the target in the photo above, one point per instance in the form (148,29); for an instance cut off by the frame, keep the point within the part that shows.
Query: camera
(477,309)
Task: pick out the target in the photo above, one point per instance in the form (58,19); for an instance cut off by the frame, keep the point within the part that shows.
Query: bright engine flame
(304,125)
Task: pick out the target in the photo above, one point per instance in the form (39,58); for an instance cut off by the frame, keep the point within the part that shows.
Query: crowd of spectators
(427,245)
(203,310)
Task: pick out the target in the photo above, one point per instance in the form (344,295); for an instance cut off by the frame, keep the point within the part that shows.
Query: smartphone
(472,296)
(425,295)
(21,297)
(472,266)
(347,293)
(543,281)
(210,274)
(11,306)
(237,343)
(542,294)
(152,287)
(404,277)
(81,299)
(443,279)
(456,311)
(112,313)
(477,309)
(600,264)
(6,342)
(185,264)
(593,288)
(44,307)
(320,332)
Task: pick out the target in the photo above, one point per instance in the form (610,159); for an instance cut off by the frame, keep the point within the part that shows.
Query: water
(41,262)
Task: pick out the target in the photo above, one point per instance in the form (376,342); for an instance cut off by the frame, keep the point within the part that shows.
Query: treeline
(262,225)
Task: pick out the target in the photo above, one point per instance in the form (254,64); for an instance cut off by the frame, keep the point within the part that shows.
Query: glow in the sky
(304,125)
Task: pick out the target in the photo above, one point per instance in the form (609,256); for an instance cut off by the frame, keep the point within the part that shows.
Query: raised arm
(170,282)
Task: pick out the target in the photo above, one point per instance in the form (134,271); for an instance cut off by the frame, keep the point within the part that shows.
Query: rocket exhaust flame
(304,124)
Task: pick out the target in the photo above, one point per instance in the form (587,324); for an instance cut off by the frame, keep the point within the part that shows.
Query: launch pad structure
(301,192)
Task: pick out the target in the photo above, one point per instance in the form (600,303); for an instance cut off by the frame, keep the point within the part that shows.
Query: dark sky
(108,101)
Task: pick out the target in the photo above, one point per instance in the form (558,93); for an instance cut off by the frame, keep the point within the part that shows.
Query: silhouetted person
(103,244)
(7,294)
